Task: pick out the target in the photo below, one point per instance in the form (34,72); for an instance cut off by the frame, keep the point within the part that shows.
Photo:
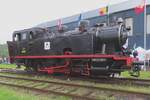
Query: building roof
(126,5)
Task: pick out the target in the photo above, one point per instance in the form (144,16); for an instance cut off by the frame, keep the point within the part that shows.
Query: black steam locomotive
(96,50)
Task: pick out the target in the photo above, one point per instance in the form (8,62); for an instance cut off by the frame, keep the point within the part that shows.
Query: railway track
(123,81)
(49,91)
(83,92)
(133,81)
(16,71)
(105,80)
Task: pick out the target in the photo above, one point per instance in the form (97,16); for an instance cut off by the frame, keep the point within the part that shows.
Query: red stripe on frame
(73,57)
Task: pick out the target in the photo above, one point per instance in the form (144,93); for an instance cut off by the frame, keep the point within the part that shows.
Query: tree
(3,50)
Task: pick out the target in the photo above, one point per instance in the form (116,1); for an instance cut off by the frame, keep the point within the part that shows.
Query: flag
(140,8)
(80,17)
(103,11)
(59,24)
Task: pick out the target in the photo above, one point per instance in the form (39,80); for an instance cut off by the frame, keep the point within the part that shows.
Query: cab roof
(29,30)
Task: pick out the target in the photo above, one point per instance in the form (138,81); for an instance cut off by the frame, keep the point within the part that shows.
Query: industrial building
(125,10)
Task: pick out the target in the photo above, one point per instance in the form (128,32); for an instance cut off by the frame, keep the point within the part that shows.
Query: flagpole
(145,24)
(145,30)
(108,16)
(108,13)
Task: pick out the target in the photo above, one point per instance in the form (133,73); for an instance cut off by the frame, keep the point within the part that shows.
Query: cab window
(23,36)
(17,37)
(20,36)
(31,35)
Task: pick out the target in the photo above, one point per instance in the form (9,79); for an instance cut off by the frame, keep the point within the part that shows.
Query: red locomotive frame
(65,68)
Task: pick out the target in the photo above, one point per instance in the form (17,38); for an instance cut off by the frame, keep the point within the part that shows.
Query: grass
(143,74)
(10,66)
(7,66)
(8,93)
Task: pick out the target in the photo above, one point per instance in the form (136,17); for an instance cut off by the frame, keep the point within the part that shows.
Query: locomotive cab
(18,45)
(22,41)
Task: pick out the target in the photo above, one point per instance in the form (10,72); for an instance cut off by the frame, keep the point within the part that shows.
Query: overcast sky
(21,14)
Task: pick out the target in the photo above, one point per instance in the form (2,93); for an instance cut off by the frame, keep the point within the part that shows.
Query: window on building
(148,24)
(129,23)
